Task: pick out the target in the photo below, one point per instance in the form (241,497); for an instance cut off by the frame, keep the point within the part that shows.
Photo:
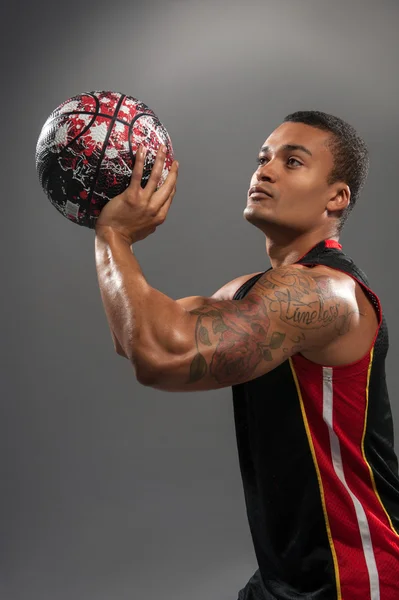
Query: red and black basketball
(86,151)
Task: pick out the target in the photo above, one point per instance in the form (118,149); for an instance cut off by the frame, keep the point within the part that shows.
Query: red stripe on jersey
(327,243)
(367,549)
(333,244)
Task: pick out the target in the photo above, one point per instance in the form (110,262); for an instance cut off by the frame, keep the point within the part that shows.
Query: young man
(303,345)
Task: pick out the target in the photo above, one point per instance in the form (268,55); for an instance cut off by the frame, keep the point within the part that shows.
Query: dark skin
(217,343)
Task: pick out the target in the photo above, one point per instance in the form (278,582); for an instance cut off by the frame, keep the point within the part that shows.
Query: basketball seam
(132,156)
(111,125)
(83,112)
(56,157)
(95,115)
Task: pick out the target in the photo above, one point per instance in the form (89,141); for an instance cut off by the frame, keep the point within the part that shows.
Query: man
(303,344)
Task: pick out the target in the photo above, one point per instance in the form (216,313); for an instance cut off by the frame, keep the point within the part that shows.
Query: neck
(283,251)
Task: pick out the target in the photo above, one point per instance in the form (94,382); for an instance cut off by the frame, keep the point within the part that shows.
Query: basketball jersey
(319,470)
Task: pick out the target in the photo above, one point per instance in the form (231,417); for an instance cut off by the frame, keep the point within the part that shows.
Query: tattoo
(240,331)
(238,351)
(292,300)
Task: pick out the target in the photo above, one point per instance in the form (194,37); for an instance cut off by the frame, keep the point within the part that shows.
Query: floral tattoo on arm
(245,333)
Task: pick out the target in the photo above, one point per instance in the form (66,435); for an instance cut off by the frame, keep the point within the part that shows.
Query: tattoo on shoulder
(302,300)
(240,331)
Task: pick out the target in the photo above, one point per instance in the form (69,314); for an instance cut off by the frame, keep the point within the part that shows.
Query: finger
(138,168)
(161,216)
(156,171)
(159,198)
(171,178)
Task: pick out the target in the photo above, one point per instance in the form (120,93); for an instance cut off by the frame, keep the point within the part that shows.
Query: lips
(256,189)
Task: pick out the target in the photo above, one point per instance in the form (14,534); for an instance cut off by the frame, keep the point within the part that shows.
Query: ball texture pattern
(86,151)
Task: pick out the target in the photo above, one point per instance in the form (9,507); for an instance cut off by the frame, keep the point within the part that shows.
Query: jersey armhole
(246,286)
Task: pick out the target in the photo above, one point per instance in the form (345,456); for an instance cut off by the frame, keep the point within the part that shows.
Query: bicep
(230,342)
(226,343)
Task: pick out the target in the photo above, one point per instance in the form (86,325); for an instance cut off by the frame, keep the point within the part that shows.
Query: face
(293,167)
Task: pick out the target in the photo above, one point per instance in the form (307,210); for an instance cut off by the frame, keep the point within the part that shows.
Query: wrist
(109,235)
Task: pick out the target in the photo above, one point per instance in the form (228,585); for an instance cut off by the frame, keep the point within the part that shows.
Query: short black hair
(350,153)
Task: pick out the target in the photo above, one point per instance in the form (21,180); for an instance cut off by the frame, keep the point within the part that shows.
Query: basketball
(86,151)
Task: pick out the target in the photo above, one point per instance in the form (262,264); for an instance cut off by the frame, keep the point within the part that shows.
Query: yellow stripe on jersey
(310,441)
(363,437)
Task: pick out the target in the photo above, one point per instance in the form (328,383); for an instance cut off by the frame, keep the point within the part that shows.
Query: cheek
(306,188)
(302,198)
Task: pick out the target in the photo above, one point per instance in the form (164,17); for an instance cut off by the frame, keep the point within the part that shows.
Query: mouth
(258,192)
(258,196)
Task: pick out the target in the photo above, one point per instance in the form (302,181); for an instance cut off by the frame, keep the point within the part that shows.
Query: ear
(340,197)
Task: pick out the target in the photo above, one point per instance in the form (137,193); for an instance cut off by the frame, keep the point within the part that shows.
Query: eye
(261,160)
(294,159)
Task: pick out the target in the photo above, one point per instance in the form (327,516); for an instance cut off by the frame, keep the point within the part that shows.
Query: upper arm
(228,342)
(226,292)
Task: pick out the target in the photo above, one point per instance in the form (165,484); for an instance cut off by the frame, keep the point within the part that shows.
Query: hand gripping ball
(86,151)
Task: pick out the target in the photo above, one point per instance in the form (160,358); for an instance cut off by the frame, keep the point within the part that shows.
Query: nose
(266,172)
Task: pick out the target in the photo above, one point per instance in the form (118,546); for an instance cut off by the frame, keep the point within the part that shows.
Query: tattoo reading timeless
(245,333)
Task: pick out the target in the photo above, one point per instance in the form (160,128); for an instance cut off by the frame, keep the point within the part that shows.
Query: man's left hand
(137,212)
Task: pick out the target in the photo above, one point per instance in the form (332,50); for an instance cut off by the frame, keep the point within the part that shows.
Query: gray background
(110,489)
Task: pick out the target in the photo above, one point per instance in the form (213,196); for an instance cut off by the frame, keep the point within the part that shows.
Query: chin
(268,224)
(253,214)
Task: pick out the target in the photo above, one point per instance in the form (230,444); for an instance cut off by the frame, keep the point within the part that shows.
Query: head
(314,166)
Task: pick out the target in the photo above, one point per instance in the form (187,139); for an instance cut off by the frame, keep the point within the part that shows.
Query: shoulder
(319,272)
(315,304)
(333,316)
(325,280)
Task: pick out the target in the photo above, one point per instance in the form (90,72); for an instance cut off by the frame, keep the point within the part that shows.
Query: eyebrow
(290,147)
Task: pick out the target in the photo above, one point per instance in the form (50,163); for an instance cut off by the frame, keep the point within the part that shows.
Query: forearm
(147,323)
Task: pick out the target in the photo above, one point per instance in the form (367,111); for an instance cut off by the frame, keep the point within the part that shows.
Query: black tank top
(319,471)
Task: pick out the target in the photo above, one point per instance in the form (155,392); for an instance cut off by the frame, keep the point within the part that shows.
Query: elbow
(145,372)
(145,377)
(158,369)
(157,376)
